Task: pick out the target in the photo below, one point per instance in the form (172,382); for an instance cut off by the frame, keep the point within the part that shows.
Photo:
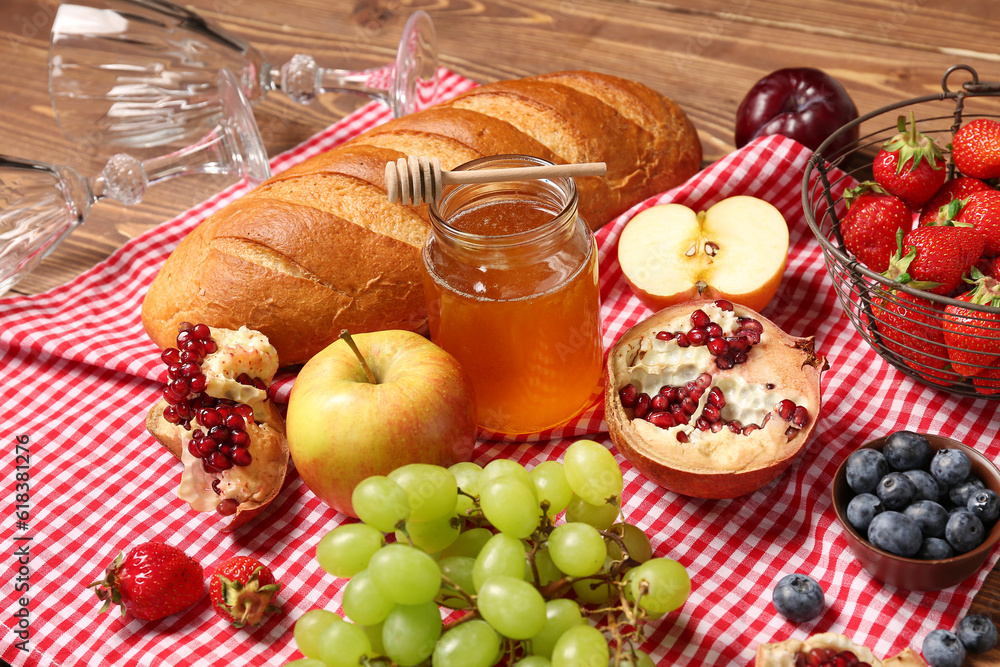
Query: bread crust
(319,248)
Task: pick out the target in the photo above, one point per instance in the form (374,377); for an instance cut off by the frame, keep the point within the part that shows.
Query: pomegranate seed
(201,331)
(170,414)
(218,461)
(735,426)
(713,330)
(724,304)
(173,371)
(219,434)
(767,418)
(180,387)
(239,439)
(717,426)
(659,403)
(190,369)
(664,335)
(243,378)
(723,363)
(749,428)
(208,417)
(682,340)
(209,346)
(183,337)
(718,346)
(717,398)
(226,450)
(185,326)
(680,416)
(198,383)
(234,421)
(688,405)
(183,411)
(170,356)
(627,395)
(670,393)
(752,336)
(849,656)
(661,419)
(215,487)
(753,325)
(642,405)
(739,358)
(682,436)
(800,416)
(245,410)
(703,381)
(241,456)
(738,344)
(785,407)
(800,660)
(206,446)
(259,384)
(193,448)
(696,393)
(700,318)
(170,397)
(702,424)
(191,345)
(710,413)
(697,337)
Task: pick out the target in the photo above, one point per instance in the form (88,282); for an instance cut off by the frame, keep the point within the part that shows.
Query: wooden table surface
(705,54)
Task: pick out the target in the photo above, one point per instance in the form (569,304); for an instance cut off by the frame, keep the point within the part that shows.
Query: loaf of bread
(319,247)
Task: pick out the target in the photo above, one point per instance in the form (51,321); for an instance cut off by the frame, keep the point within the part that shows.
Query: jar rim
(566,188)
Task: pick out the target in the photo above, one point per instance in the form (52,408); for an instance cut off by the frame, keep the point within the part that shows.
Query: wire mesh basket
(903,324)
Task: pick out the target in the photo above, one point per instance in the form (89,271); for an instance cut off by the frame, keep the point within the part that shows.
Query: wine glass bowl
(141,73)
(43,203)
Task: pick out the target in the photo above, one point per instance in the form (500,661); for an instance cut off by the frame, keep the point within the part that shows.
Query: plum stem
(345,336)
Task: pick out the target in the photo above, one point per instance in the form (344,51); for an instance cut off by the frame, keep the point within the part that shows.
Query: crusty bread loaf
(319,248)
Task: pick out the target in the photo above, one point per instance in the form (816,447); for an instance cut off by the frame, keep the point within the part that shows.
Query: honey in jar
(512,292)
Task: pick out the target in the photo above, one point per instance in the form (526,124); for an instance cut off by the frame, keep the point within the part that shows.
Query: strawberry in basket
(910,165)
(873,221)
(973,336)
(975,148)
(217,418)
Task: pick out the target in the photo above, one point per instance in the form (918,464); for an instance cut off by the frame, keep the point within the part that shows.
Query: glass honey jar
(512,293)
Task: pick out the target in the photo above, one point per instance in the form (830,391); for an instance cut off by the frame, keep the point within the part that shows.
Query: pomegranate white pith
(786,653)
(741,401)
(215,416)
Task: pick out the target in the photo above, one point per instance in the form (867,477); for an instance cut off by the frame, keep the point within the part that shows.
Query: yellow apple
(735,250)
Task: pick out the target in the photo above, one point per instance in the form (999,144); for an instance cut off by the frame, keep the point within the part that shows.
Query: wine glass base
(416,66)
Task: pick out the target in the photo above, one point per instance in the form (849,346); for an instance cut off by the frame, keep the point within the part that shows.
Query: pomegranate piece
(828,650)
(721,440)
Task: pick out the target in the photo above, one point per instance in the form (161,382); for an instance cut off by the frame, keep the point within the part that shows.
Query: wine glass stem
(343,80)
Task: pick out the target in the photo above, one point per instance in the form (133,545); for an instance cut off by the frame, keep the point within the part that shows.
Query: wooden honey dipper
(416,180)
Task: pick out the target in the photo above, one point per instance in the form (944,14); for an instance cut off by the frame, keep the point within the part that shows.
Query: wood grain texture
(705,54)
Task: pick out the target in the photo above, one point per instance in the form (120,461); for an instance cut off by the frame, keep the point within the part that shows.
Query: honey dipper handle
(524,173)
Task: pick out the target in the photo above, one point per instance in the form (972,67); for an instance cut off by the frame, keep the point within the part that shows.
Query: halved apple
(735,250)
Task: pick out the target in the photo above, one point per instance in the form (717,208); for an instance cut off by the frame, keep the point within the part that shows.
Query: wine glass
(40,204)
(141,73)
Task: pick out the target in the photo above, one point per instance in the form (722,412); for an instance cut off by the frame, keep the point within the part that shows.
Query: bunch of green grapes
(483,541)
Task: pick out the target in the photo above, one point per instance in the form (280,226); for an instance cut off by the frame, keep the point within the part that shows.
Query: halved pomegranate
(216,417)
(828,648)
(710,399)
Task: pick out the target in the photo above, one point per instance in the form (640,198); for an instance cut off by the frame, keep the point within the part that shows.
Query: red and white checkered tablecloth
(78,374)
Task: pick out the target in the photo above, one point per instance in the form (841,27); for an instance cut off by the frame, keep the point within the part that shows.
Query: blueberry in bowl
(919,511)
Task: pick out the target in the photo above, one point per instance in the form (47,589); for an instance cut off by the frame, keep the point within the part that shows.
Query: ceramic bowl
(910,573)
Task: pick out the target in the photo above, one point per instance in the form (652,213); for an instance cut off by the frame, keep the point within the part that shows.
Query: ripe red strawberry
(988,380)
(910,165)
(989,266)
(871,224)
(152,581)
(242,590)
(975,148)
(972,336)
(911,327)
(956,188)
(982,211)
(936,259)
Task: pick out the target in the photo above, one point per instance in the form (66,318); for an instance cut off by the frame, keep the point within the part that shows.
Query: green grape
(581,646)
(600,517)
(547,570)
(410,633)
(533,661)
(577,549)
(345,550)
(468,543)
(636,543)
(458,570)
(405,574)
(510,505)
(502,555)
(363,602)
(636,658)
(512,606)
(663,583)
(498,468)
(310,627)
(343,645)
(306,662)
(433,535)
(467,475)
(381,503)
(551,485)
(432,490)
(592,472)
(561,614)
(593,591)
(470,644)
(374,634)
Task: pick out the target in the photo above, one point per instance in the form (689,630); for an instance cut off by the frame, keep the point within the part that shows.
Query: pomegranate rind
(724,464)
(782,654)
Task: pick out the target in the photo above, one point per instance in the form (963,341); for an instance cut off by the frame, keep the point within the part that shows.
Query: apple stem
(345,336)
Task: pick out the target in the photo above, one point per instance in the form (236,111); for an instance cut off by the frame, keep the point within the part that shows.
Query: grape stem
(345,336)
